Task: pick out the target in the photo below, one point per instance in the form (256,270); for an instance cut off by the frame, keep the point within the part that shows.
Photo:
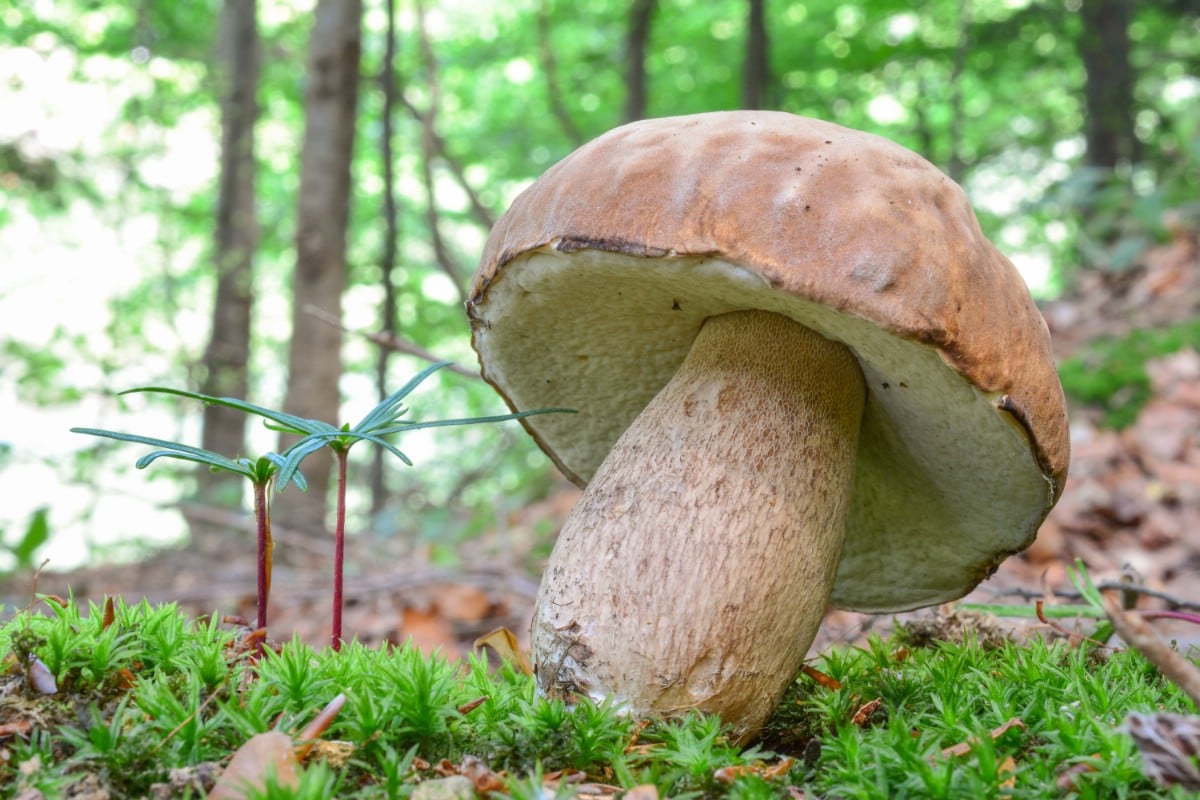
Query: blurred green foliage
(991,91)
(1110,374)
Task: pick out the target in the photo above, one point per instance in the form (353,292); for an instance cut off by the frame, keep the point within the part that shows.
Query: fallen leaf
(253,762)
(428,631)
(962,748)
(468,707)
(866,713)
(504,642)
(481,775)
(1008,767)
(18,728)
(821,678)
(462,602)
(1067,779)
(728,775)
(1170,747)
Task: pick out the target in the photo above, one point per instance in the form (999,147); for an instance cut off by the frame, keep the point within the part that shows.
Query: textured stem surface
(696,568)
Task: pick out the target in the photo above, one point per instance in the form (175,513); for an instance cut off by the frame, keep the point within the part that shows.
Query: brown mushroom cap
(593,285)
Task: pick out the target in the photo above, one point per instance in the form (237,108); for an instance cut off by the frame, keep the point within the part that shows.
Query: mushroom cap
(594,283)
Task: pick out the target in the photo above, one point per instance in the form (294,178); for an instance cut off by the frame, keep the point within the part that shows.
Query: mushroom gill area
(945,484)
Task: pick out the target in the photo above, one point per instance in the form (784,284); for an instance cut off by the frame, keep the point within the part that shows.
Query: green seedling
(381,422)
(261,472)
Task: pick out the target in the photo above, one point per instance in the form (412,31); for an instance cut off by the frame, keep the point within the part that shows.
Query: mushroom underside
(603,332)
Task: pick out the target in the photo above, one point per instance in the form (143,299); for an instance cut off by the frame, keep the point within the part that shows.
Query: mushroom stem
(696,568)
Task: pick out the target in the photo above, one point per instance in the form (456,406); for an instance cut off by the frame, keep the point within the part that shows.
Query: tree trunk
(387,265)
(323,212)
(636,39)
(227,356)
(756,72)
(1104,50)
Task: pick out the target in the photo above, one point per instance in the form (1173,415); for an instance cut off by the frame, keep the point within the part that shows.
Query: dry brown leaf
(727,775)
(463,603)
(468,707)
(334,753)
(21,727)
(1008,767)
(646,791)
(504,642)
(481,775)
(429,631)
(821,678)
(258,757)
(1067,778)
(962,748)
(866,713)
(1170,747)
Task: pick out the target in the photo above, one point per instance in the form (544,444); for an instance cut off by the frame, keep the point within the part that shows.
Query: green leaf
(289,423)
(37,533)
(172,450)
(400,427)
(1082,582)
(390,408)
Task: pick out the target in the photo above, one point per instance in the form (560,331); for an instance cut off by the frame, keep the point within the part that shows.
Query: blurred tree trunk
(391,222)
(637,37)
(228,353)
(1108,94)
(756,72)
(322,216)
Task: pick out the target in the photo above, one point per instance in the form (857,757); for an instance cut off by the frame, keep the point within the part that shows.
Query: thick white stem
(696,568)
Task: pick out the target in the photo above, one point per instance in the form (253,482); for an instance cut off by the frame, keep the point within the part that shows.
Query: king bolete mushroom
(802,375)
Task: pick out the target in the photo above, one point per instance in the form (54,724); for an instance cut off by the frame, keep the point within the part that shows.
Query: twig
(1054,626)
(482,214)
(1177,603)
(428,149)
(391,342)
(550,70)
(1138,635)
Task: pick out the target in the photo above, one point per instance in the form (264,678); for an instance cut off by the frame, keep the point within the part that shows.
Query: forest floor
(1131,509)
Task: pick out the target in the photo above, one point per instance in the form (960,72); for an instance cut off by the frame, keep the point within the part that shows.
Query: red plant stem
(339,547)
(1183,615)
(264,550)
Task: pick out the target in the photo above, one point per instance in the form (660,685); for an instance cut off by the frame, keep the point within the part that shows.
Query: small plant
(380,423)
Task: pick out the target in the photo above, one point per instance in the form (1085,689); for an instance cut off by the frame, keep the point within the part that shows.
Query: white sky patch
(902,26)
(1181,90)
(518,71)
(885,109)
(439,288)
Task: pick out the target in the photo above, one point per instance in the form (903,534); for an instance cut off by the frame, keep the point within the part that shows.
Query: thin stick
(390,342)
(1177,603)
(1138,635)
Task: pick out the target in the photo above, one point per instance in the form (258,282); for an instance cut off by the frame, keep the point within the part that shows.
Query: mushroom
(803,377)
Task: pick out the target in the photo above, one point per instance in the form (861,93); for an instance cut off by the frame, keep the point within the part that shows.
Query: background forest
(246,197)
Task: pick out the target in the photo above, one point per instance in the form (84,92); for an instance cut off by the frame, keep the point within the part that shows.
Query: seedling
(260,472)
(381,422)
